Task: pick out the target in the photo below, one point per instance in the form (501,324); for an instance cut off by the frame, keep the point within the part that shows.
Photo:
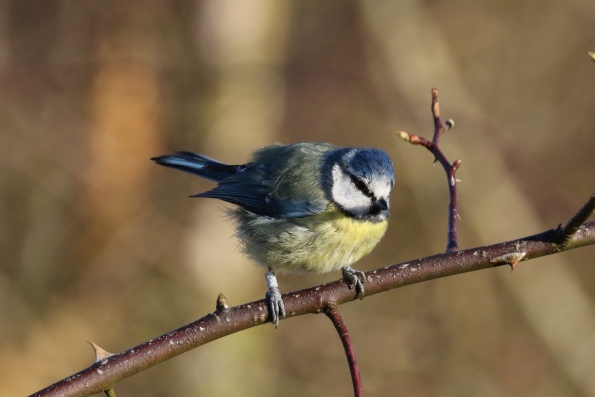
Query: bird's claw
(276,305)
(355,278)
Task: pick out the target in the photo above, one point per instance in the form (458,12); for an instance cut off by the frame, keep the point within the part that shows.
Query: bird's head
(359,182)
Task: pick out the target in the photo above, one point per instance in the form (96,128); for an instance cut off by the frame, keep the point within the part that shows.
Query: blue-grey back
(281,181)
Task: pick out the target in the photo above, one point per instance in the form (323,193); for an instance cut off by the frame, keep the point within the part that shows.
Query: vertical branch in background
(450,169)
(333,314)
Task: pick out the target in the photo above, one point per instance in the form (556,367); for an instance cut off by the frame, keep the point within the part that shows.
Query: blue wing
(256,199)
(248,186)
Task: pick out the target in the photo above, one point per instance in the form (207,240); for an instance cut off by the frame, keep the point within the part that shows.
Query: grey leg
(274,301)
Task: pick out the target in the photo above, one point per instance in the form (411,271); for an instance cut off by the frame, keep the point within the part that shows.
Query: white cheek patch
(346,195)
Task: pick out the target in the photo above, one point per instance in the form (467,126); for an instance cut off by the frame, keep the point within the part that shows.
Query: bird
(309,207)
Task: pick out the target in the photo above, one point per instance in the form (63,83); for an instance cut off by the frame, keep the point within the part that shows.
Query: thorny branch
(226,320)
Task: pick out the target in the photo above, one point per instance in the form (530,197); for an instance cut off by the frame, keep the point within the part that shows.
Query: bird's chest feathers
(341,241)
(316,244)
(354,232)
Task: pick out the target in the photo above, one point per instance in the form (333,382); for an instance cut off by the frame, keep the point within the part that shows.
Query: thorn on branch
(222,304)
(592,55)
(100,354)
(511,259)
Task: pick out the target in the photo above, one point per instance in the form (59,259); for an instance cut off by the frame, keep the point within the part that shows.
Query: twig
(450,169)
(225,320)
(571,227)
(333,314)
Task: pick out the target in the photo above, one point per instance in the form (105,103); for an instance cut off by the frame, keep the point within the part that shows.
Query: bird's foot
(355,278)
(273,297)
(276,305)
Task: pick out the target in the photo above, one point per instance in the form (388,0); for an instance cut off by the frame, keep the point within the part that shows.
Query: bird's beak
(381,203)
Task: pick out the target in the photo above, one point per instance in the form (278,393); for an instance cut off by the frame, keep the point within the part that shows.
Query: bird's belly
(317,244)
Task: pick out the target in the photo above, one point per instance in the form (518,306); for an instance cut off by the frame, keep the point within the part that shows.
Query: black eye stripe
(361,186)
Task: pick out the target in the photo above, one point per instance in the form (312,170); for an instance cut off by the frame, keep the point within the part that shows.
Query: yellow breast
(343,241)
(316,244)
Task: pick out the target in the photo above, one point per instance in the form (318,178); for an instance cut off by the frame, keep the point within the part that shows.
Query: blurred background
(99,244)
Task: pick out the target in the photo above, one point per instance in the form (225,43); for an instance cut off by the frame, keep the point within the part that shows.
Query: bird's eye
(361,186)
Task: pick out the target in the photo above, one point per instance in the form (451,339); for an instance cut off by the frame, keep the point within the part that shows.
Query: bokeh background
(99,244)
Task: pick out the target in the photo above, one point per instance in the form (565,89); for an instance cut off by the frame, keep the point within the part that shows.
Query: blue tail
(197,164)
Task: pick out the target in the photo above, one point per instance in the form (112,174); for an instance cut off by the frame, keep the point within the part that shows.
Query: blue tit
(301,208)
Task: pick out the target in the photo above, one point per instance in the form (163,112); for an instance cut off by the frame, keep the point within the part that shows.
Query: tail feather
(197,164)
